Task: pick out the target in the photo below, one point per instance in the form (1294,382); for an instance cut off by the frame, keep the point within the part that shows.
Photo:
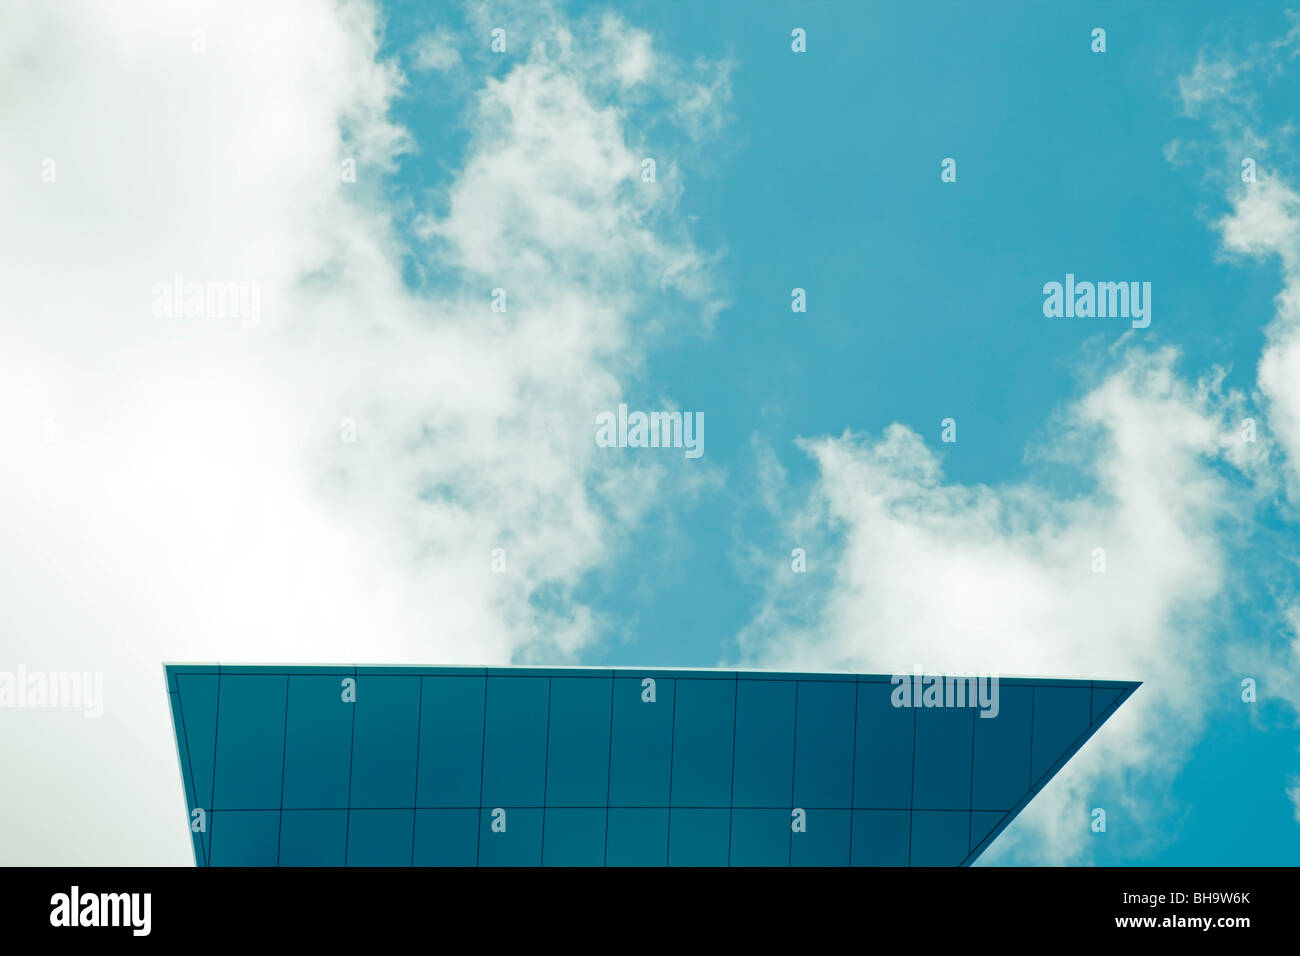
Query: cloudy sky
(448,261)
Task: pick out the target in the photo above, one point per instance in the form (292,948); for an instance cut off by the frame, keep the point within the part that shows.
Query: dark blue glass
(1104,697)
(764,761)
(250,743)
(577,769)
(519,844)
(699,837)
(940,837)
(384,742)
(825,841)
(641,751)
(1062,715)
(446,838)
(982,823)
(574,837)
(702,743)
(446,766)
(823,764)
(637,837)
(451,742)
(318,744)
(313,838)
(244,837)
(760,837)
(942,778)
(380,837)
(514,755)
(880,837)
(883,763)
(1001,771)
(198,699)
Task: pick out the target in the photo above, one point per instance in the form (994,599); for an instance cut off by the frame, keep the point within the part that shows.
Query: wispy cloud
(908,569)
(438,50)
(1263,223)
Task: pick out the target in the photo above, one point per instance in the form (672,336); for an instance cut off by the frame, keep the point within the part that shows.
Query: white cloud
(438,50)
(1211,80)
(632,52)
(912,570)
(1264,222)
(907,569)
(196,500)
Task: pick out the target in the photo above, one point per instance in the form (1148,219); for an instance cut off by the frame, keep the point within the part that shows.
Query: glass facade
(411,766)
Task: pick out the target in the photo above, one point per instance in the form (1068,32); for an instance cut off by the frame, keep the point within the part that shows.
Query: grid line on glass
(853,773)
(192,790)
(216,736)
(284,751)
(731,801)
(794,764)
(970,827)
(911,797)
(1033,703)
(546,773)
(672,761)
(609,768)
(415,799)
(352,750)
(482,762)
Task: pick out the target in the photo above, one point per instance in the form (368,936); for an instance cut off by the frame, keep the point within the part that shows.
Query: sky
(453,263)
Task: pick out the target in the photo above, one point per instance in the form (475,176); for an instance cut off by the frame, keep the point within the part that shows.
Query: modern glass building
(574,766)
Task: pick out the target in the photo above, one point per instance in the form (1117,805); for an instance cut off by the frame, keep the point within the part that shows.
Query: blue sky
(925,300)
(925,297)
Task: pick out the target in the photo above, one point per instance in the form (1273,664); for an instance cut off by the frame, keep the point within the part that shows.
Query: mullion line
(672,759)
(970,824)
(284,752)
(609,769)
(853,775)
(482,755)
(794,763)
(1033,702)
(911,796)
(419,727)
(731,809)
(212,799)
(194,786)
(352,748)
(546,770)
